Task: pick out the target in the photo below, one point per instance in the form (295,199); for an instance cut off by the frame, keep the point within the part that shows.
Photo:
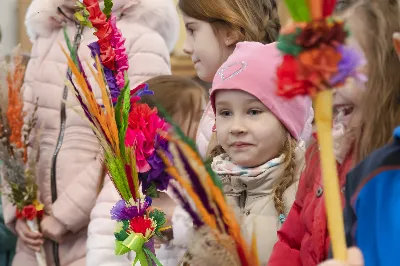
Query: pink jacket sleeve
(73,206)
(148,58)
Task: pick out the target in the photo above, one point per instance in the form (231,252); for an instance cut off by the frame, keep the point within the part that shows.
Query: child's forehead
(188,19)
(225,96)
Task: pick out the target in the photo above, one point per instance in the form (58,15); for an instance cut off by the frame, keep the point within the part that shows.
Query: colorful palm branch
(316,59)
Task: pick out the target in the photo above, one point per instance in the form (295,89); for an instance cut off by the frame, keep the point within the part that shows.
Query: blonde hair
(288,176)
(373,23)
(252,20)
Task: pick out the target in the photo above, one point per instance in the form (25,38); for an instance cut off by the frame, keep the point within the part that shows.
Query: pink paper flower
(121,58)
(143,126)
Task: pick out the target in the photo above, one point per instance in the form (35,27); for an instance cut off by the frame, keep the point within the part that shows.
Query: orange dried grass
(15,113)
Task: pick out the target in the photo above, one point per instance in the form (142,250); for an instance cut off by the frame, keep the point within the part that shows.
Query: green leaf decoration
(216,180)
(108,4)
(152,191)
(116,169)
(159,217)
(121,227)
(69,46)
(122,112)
(126,105)
(121,236)
(299,10)
(120,248)
(287,44)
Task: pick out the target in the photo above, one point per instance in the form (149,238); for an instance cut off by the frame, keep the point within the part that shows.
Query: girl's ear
(230,37)
(396,43)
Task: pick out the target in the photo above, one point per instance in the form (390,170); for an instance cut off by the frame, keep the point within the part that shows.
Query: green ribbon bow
(135,242)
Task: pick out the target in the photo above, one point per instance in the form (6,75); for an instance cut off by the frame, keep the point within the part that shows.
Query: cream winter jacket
(251,197)
(151,28)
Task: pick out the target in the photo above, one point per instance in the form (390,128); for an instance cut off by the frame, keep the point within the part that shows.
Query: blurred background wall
(12,26)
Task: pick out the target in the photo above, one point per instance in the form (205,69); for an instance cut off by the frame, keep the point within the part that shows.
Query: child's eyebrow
(187,24)
(227,102)
(252,100)
(221,102)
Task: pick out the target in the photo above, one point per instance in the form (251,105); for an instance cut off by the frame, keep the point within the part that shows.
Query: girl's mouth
(342,112)
(345,109)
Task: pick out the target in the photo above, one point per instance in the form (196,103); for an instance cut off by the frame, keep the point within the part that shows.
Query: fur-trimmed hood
(42,17)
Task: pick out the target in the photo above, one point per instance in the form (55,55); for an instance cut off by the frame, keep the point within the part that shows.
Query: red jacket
(303,239)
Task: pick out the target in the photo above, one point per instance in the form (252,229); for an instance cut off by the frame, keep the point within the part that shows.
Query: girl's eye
(254,112)
(190,31)
(225,113)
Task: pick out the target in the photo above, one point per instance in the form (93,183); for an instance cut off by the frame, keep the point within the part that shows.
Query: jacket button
(319,192)
(247,213)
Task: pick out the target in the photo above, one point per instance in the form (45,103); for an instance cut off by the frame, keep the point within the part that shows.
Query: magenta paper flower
(143,126)
(121,58)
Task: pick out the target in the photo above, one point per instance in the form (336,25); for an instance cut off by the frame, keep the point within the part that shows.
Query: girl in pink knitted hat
(258,158)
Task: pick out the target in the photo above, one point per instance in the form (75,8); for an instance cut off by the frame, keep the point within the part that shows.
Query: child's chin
(243,161)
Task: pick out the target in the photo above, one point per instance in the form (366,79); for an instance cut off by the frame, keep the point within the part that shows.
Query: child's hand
(355,258)
(52,229)
(31,239)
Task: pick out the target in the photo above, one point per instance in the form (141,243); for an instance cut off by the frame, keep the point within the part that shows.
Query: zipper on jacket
(63,118)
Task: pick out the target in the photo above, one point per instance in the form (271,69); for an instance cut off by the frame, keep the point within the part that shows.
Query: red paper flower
(18,214)
(40,214)
(103,33)
(140,225)
(289,83)
(29,212)
(107,56)
(309,73)
(143,126)
(319,65)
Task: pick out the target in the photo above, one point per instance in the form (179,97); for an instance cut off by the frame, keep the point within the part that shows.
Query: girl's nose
(238,127)
(187,47)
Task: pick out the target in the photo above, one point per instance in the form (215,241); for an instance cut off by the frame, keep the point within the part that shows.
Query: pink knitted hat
(252,68)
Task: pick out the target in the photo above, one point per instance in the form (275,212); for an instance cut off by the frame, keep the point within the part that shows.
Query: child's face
(249,133)
(346,101)
(204,47)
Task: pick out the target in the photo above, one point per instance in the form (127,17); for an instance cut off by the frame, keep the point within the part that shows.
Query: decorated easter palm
(316,60)
(127,130)
(19,169)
